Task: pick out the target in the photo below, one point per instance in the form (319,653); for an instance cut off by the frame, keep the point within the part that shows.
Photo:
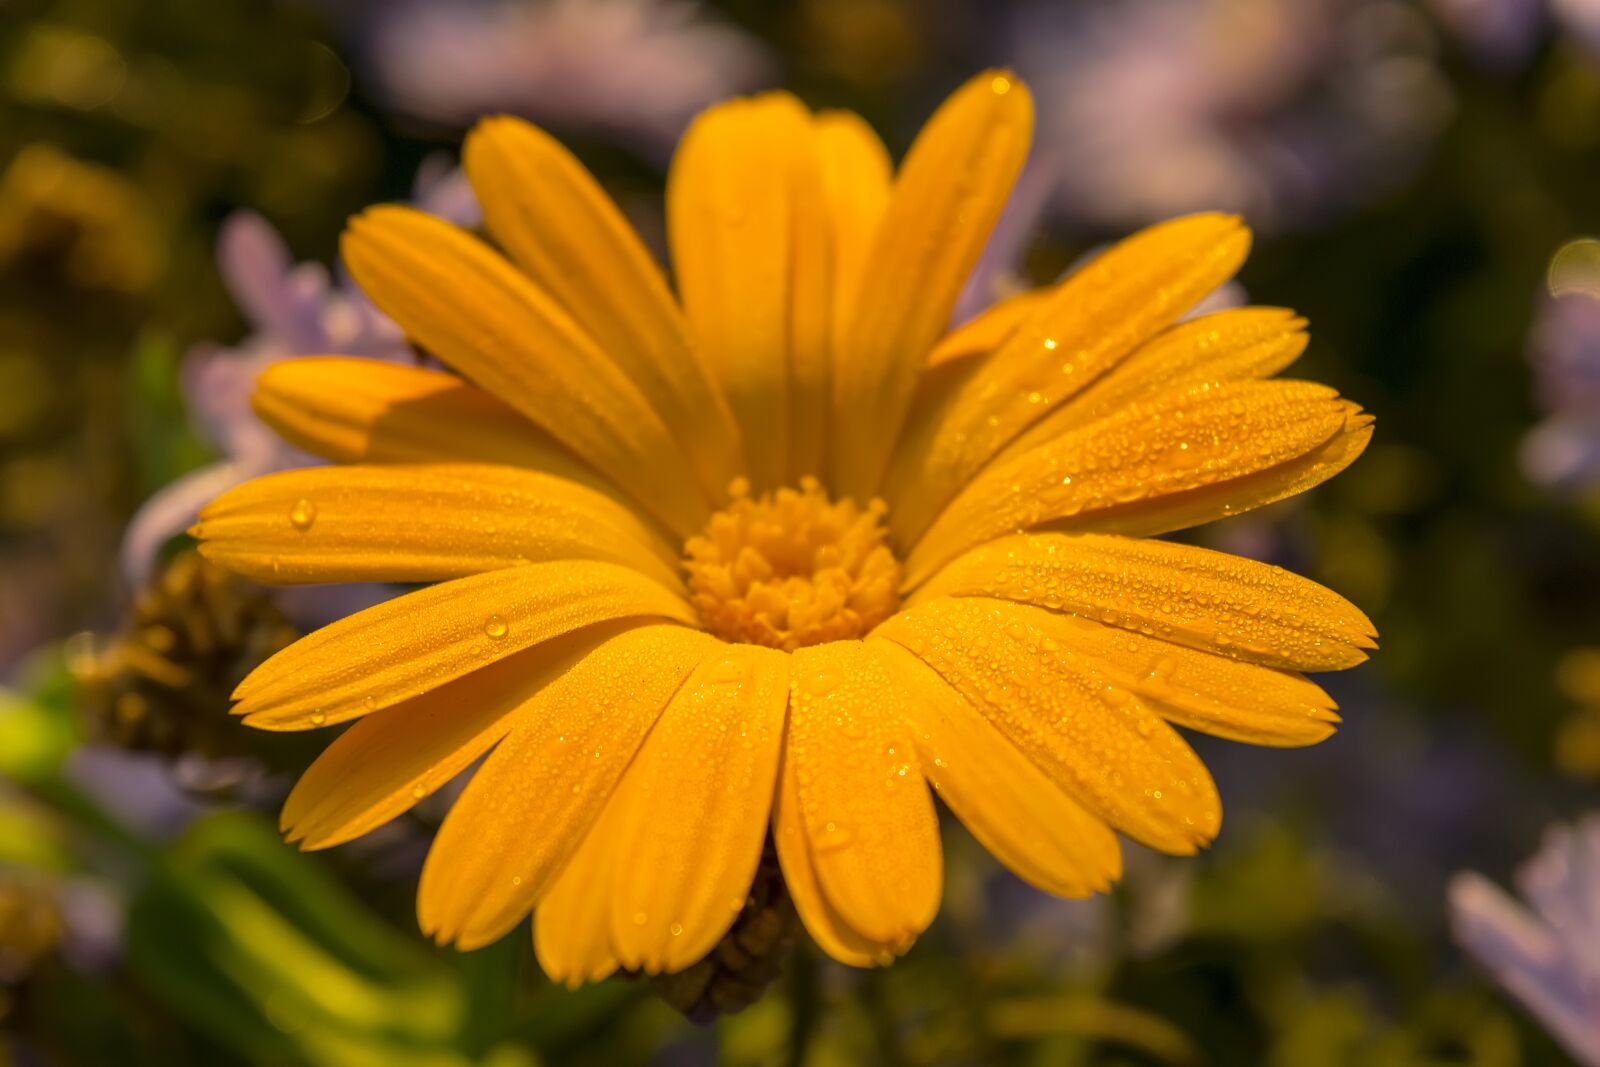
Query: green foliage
(255,945)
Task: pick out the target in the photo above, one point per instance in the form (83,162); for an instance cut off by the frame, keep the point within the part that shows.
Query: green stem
(805,1002)
(874,996)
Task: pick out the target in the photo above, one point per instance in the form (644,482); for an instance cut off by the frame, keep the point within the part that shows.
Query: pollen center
(792,568)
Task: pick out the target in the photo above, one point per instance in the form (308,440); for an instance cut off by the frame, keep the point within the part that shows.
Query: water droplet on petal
(821,683)
(302,514)
(495,626)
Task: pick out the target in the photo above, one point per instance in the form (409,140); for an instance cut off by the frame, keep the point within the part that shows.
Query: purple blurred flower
(1580,19)
(136,789)
(1500,34)
(1563,451)
(1549,958)
(632,71)
(1148,914)
(1287,111)
(1504,33)
(294,309)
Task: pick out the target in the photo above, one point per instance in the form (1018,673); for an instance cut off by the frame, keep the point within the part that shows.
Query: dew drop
(729,670)
(419,790)
(833,838)
(318,718)
(303,514)
(495,626)
(676,929)
(821,683)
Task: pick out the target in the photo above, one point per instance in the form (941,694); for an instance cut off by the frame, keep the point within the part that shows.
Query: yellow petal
(354,410)
(1233,345)
(1227,698)
(426,523)
(694,808)
(870,823)
(553,219)
(417,642)
(990,330)
(856,177)
(388,762)
(948,195)
(1088,325)
(811,302)
(1039,833)
(524,813)
(1183,510)
(1190,596)
(1230,698)
(822,921)
(572,926)
(463,302)
(1069,712)
(730,210)
(1112,474)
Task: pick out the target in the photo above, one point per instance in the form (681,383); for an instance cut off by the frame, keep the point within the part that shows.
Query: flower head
(775,555)
(1549,959)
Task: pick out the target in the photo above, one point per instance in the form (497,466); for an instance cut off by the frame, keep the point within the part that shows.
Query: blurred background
(1423,177)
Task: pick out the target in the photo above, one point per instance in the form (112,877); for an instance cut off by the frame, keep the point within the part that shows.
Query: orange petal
(463,302)
(1195,507)
(1190,596)
(949,193)
(990,330)
(856,180)
(1229,698)
(731,218)
(1112,474)
(550,215)
(417,642)
(389,761)
(354,410)
(522,816)
(1026,671)
(1018,814)
(1089,324)
(694,810)
(1233,345)
(404,523)
(827,927)
(869,821)
(572,926)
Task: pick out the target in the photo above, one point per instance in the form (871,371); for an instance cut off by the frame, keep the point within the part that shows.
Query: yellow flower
(778,552)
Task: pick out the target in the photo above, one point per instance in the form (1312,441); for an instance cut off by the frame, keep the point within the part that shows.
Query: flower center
(792,568)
